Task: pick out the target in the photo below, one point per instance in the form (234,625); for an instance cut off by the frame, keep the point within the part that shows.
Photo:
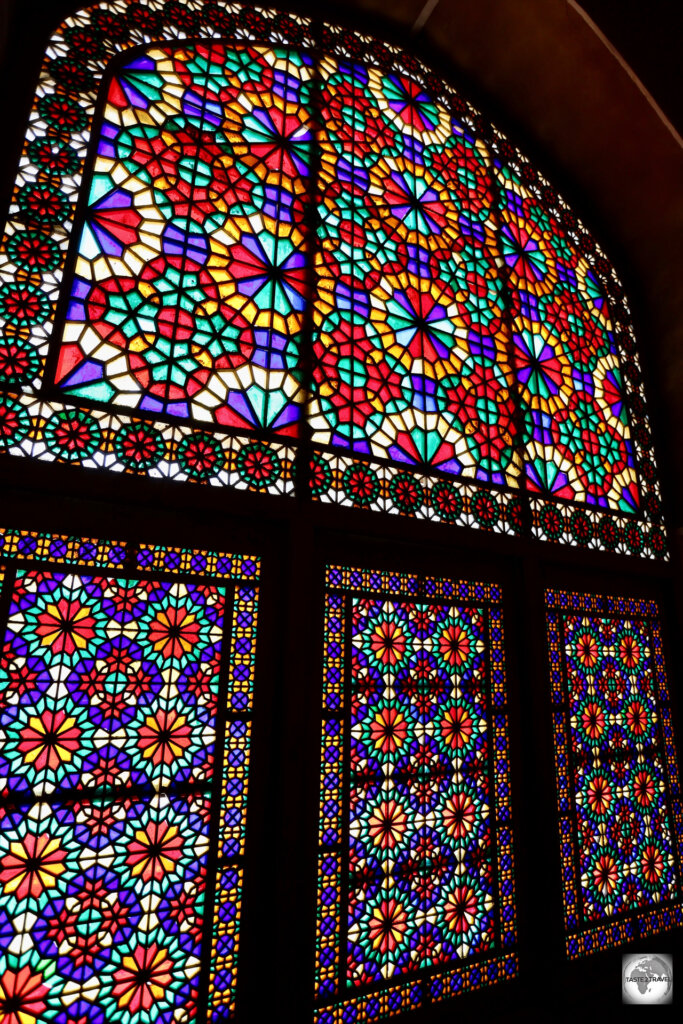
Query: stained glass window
(302,263)
(125,676)
(619,800)
(415,866)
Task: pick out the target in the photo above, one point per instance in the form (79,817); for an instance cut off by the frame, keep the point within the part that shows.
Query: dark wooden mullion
(542,888)
(7,589)
(304,451)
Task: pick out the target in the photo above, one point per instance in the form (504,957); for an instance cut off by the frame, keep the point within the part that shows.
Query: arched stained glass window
(126,678)
(254,250)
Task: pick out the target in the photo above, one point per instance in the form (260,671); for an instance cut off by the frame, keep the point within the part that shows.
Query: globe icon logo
(647,979)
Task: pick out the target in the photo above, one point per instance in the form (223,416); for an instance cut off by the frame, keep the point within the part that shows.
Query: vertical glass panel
(618,795)
(188,291)
(577,435)
(410,350)
(415,883)
(123,785)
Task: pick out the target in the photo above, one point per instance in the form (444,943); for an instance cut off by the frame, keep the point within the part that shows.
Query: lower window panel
(126,678)
(617,777)
(415,869)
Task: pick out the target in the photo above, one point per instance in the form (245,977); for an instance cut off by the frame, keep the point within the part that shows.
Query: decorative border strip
(410,585)
(341,582)
(590,528)
(26,545)
(57,432)
(582,941)
(345,480)
(227,901)
(205,563)
(30,546)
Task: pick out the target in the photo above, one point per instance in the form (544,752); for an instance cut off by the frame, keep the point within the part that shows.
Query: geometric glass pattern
(619,801)
(415,863)
(189,283)
(576,427)
(303,264)
(126,676)
(411,355)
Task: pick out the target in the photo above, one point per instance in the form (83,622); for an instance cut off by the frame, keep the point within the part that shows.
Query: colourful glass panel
(618,788)
(189,283)
(415,881)
(410,351)
(577,435)
(111,689)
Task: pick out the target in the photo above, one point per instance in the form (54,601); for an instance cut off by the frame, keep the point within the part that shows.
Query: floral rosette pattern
(410,352)
(577,436)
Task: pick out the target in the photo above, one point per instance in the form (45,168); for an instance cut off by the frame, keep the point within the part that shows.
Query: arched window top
(251,249)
